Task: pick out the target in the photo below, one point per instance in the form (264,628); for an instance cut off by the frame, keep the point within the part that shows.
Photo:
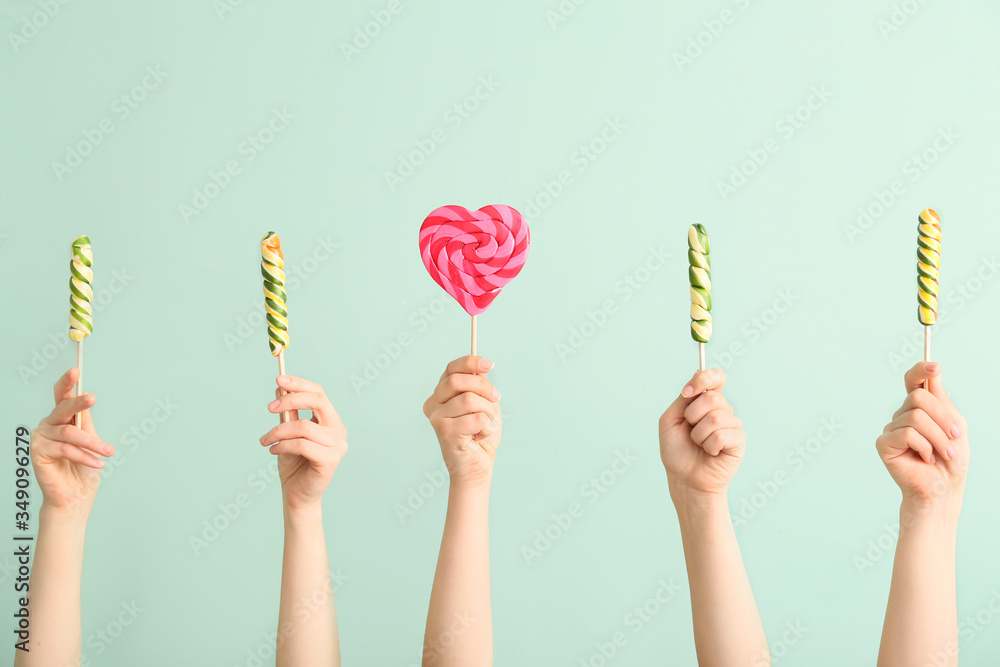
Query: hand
(701,439)
(67,459)
(465,413)
(925,446)
(308,450)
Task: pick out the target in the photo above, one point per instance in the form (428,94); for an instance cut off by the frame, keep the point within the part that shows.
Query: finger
(468,364)
(466,425)
(460,383)
(305,400)
(66,410)
(466,404)
(69,434)
(893,443)
(699,383)
(936,387)
(702,381)
(916,376)
(730,440)
(87,423)
(293,383)
(927,427)
(293,414)
(490,428)
(911,438)
(707,402)
(675,412)
(307,449)
(712,422)
(300,428)
(64,386)
(921,399)
(81,456)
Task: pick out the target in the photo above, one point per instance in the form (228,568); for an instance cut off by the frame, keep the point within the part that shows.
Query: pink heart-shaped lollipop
(473,254)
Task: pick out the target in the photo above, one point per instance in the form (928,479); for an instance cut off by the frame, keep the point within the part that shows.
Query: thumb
(936,387)
(675,413)
(921,373)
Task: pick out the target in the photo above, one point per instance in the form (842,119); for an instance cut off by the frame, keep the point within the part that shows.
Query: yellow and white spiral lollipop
(928,272)
(81,290)
(272,267)
(928,265)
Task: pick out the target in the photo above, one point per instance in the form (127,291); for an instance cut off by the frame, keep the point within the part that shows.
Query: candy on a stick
(928,272)
(472,255)
(272,267)
(700,277)
(81,294)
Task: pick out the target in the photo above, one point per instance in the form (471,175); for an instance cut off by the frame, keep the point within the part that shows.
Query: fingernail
(951,453)
(933,458)
(955,431)
(485,365)
(101,464)
(272,405)
(688,391)
(284,379)
(496,395)
(110,451)
(932,367)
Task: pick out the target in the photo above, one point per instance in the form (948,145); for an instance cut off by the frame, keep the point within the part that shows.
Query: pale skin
(309,451)
(926,450)
(702,443)
(67,462)
(465,413)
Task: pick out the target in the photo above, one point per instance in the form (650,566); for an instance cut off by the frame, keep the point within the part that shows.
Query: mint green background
(829,356)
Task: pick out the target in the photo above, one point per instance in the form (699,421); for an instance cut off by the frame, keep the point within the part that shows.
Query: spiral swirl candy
(700,276)
(473,254)
(928,265)
(81,290)
(272,268)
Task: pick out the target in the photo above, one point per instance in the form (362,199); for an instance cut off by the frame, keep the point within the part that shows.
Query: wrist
(941,511)
(300,512)
(688,499)
(471,484)
(469,492)
(75,515)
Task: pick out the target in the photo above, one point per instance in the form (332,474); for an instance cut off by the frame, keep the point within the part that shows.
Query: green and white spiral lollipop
(272,267)
(700,276)
(81,290)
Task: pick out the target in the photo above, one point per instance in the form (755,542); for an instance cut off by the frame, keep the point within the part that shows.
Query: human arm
(66,460)
(465,413)
(308,451)
(926,450)
(702,443)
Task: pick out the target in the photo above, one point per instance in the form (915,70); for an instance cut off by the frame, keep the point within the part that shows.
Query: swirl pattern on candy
(473,254)
(272,267)
(700,276)
(928,265)
(81,290)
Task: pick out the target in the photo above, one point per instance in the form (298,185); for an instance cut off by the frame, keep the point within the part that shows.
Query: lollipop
(81,293)
(700,277)
(272,268)
(928,272)
(472,255)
